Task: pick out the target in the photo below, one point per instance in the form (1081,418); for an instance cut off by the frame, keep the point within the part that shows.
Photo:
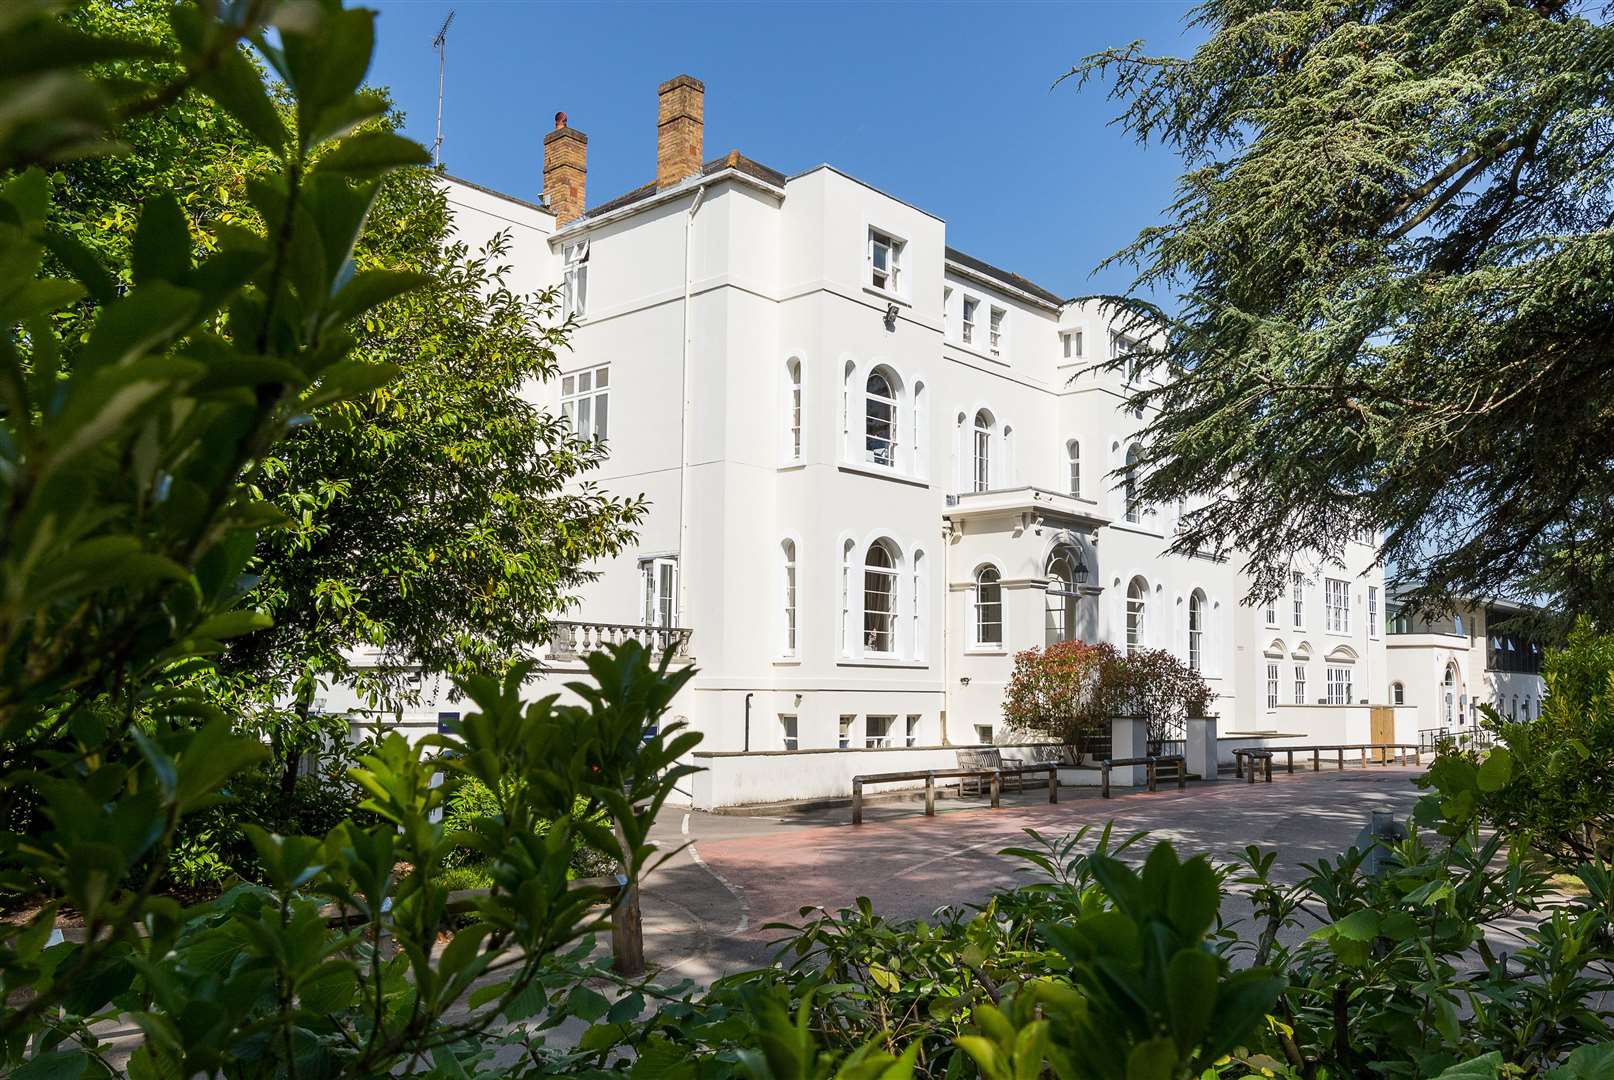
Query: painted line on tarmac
(739,897)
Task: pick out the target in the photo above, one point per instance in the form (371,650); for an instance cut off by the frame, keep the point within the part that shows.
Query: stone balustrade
(570,639)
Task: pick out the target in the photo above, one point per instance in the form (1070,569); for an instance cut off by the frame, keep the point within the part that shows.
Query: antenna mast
(440,43)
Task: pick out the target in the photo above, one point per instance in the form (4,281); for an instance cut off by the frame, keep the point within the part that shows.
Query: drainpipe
(683,413)
(748,698)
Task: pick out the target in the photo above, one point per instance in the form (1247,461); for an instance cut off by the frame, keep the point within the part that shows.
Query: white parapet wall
(730,778)
(1302,726)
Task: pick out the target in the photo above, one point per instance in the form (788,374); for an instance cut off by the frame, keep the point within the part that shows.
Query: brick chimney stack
(565,170)
(680,119)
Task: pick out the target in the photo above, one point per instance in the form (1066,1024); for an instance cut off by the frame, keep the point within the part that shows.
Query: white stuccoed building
(876,470)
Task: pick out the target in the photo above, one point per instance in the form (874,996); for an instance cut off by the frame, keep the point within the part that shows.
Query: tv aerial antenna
(440,43)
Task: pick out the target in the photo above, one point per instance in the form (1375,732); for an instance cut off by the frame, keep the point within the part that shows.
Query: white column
(1200,746)
(1129,737)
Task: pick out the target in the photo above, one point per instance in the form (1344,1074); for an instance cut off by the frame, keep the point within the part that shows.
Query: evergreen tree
(1390,260)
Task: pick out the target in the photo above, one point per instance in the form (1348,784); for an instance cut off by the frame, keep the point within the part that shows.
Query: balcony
(1030,505)
(571,640)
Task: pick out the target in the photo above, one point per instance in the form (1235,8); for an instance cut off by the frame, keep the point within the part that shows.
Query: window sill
(890,297)
(979,354)
(986,652)
(787,661)
(792,466)
(1134,527)
(881,662)
(883,473)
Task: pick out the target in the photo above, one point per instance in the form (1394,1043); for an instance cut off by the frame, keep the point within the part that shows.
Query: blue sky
(947,106)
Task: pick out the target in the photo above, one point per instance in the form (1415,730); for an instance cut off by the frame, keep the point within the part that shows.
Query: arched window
(1398,694)
(792,403)
(1449,694)
(880,418)
(1196,630)
(1073,457)
(879,600)
(988,607)
(1137,601)
(981,473)
(788,551)
(1134,509)
(1066,571)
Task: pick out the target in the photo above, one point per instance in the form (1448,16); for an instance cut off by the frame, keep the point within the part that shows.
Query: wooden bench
(992,777)
(1151,763)
(992,759)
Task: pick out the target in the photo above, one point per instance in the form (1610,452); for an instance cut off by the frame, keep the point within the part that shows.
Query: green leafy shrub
(1548,782)
(1115,968)
(472,801)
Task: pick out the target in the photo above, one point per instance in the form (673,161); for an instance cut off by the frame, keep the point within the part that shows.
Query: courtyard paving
(707,908)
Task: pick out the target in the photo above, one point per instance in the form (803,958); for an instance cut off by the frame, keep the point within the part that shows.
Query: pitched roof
(731,160)
(1023,284)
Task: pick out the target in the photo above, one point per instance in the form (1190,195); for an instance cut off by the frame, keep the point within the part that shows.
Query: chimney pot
(565,170)
(680,120)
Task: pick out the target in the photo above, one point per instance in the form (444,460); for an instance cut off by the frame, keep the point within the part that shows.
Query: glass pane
(602,378)
(584,381)
(585,414)
(567,385)
(602,406)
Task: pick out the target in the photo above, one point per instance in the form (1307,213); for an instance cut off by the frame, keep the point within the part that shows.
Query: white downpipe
(683,415)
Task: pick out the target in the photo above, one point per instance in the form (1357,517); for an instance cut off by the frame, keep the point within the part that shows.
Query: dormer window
(885,261)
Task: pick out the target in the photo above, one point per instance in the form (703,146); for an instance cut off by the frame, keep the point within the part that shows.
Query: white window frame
(792,404)
(574,281)
(882,725)
(1073,466)
(1337,605)
(985,609)
(891,614)
(588,403)
(1398,693)
(658,590)
(947,313)
(1300,684)
(843,736)
(981,432)
(789,732)
(1297,595)
(1197,602)
(911,729)
(1137,614)
(894,246)
(1338,684)
(790,630)
(996,320)
(971,308)
(1132,505)
(894,402)
(1373,629)
(1272,685)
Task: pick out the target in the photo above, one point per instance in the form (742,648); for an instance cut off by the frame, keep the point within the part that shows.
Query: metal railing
(1433,740)
(569,639)
(1151,763)
(930,776)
